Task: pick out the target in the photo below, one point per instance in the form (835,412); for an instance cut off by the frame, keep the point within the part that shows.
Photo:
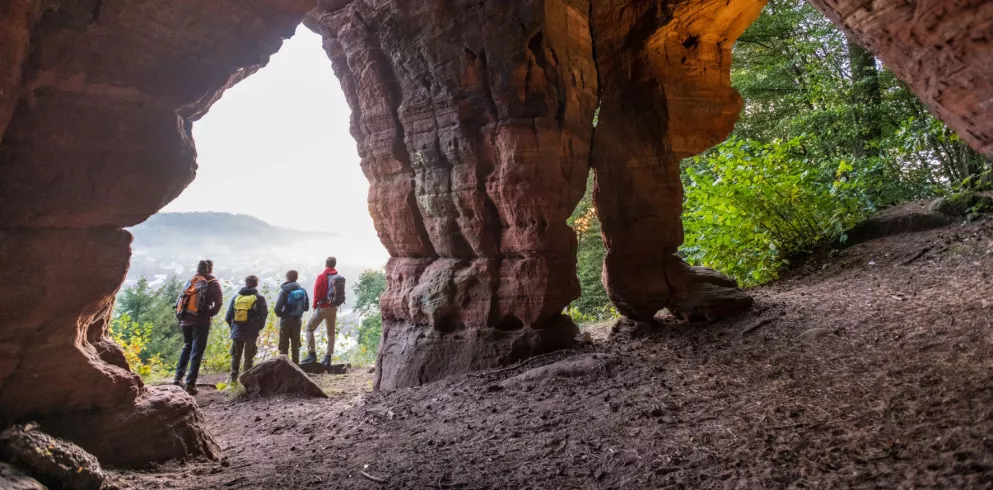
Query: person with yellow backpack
(246,316)
(198,302)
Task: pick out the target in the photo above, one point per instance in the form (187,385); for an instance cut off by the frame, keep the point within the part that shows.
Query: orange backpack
(193,299)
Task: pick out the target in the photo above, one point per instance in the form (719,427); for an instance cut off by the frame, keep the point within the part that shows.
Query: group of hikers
(202,299)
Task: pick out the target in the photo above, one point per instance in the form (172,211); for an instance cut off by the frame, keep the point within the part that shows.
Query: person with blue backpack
(290,307)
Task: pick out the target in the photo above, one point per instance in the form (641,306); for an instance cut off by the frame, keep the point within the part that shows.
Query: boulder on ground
(279,377)
(962,203)
(54,462)
(13,479)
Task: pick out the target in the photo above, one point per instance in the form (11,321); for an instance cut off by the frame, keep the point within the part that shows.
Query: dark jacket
(284,292)
(248,330)
(215,299)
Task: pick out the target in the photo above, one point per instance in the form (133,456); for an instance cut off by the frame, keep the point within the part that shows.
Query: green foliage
(826,137)
(368,290)
(133,339)
(755,203)
(593,304)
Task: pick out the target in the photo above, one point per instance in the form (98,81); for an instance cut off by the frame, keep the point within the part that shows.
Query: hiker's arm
(306,302)
(230,316)
(216,297)
(280,303)
(265,310)
(320,288)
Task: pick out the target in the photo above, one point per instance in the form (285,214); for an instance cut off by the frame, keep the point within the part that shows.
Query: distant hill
(172,243)
(178,230)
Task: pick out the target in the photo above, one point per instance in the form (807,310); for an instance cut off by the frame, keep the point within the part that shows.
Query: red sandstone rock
(473,121)
(279,377)
(942,49)
(665,94)
(475,138)
(57,463)
(96,105)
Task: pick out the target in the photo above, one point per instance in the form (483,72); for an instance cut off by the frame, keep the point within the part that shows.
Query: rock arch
(473,121)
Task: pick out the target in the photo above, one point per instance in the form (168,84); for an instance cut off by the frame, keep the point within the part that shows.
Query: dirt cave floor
(868,367)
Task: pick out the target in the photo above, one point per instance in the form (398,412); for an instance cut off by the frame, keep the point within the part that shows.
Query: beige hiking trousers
(328,315)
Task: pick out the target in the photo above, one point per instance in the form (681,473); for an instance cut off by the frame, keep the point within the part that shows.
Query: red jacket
(321,288)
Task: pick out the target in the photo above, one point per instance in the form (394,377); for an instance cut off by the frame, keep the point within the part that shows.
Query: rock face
(475,137)
(940,48)
(477,140)
(13,479)
(97,101)
(665,74)
(474,124)
(279,377)
(57,463)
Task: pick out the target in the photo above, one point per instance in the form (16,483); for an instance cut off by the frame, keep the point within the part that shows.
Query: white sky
(276,146)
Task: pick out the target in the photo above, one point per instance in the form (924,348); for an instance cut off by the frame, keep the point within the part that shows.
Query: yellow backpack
(244,308)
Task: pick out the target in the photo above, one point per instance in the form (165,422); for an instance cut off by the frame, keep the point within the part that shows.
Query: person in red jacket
(324,311)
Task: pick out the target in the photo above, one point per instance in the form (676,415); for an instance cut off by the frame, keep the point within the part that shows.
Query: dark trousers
(194,344)
(289,333)
(238,347)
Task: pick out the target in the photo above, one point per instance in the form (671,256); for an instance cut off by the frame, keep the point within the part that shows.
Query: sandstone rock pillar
(473,121)
(97,101)
(665,95)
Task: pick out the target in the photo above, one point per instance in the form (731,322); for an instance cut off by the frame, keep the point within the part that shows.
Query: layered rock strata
(665,81)
(473,121)
(97,101)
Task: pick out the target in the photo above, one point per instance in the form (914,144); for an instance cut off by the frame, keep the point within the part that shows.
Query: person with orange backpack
(246,317)
(198,302)
(329,294)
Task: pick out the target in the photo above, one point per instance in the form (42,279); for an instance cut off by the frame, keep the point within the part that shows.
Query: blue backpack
(296,302)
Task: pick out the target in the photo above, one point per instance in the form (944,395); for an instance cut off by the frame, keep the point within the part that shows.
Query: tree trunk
(867,98)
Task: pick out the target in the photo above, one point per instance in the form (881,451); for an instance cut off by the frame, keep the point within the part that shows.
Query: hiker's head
(251,282)
(292,276)
(331,262)
(205,267)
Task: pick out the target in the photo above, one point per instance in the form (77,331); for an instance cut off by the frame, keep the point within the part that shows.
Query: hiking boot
(311,357)
(191,388)
(233,379)
(327,360)
(177,382)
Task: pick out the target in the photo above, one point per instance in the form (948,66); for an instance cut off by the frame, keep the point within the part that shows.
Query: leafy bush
(593,304)
(133,339)
(749,205)
(368,290)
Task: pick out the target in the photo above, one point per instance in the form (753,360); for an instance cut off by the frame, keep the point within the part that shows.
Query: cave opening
(278,187)
(96,117)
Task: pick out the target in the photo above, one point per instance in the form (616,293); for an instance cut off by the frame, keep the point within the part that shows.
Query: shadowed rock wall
(97,100)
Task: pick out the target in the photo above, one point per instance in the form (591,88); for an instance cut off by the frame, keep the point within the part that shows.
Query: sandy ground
(869,367)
